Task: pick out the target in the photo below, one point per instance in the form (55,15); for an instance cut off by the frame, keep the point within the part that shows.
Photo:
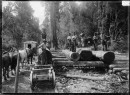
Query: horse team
(9,59)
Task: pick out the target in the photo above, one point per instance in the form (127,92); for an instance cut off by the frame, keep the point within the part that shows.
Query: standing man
(69,41)
(82,35)
(48,53)
(95,41)
(74,43)
(103,41)
(42,60)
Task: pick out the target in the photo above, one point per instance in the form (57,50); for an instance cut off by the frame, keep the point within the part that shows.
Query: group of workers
(72,41)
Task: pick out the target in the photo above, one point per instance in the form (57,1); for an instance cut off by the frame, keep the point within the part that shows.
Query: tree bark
(53,24)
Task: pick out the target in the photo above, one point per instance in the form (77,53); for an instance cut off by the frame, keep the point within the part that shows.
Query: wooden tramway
(108,59)
(80,63)
(68,60)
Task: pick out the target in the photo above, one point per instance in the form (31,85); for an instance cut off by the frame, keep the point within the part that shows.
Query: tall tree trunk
(53,24)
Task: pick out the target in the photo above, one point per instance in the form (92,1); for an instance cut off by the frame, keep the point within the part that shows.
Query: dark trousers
(42,58)
(104,45)
(95,44)
(73,46)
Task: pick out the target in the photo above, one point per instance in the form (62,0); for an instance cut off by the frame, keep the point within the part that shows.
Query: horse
(32,52)
(23,55)
(6,62)
(27,54)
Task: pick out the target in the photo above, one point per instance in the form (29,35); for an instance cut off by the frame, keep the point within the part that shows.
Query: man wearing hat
(43,44)
(74,43)
(69,41)
(42,53)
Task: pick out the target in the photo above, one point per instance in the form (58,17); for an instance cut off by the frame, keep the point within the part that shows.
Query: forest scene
(65,32)
(109,17)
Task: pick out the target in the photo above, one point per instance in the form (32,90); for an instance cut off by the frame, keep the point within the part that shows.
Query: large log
(80,63)
(85,55)
(107,57)
(120,69)
(73,56)
(118,62)
(57,56)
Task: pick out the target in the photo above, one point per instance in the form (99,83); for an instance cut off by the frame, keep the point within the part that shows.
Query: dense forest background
(19,24)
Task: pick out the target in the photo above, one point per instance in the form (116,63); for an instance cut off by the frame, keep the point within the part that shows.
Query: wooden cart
(33,44)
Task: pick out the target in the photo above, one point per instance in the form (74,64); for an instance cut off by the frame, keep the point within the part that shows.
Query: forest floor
(111,83)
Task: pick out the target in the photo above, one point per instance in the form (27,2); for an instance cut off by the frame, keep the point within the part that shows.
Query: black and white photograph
(65,46)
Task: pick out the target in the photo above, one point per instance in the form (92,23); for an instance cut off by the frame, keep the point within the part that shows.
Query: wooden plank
(120,69)
(121,62)
(17,74)
(84,77)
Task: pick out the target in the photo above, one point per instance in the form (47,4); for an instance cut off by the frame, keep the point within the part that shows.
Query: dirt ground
(110,84)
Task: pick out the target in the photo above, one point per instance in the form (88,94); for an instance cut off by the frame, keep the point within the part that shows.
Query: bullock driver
(43,48)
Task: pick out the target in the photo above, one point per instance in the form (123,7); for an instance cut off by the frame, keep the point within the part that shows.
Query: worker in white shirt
(69,41)
(95,38)
(74,43)
(103,41)
(82,36)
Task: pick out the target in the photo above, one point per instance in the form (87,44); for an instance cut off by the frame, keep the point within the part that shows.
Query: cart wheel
(53,79)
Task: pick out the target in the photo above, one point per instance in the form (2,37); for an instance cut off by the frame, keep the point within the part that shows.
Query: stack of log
(88,55)
(120,67)
(85,58)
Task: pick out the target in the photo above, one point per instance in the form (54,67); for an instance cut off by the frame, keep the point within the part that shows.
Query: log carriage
(40,74)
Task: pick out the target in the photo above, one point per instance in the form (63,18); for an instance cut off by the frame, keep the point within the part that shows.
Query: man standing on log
(95,41)
(82,35)
(69,41)
(74,43)
(103,41)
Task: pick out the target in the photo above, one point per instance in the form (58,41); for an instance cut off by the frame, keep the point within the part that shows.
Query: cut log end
(109,57)
(75,56)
